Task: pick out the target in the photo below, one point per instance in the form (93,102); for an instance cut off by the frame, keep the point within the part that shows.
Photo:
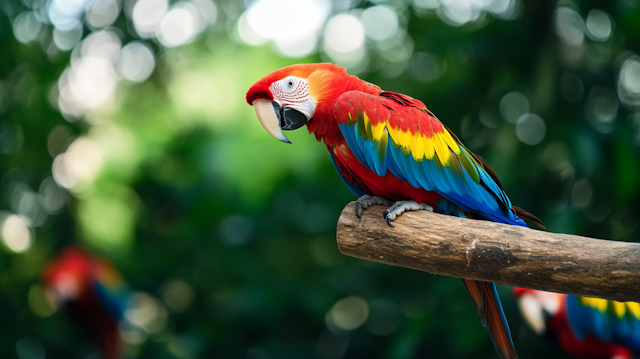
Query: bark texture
(493,252)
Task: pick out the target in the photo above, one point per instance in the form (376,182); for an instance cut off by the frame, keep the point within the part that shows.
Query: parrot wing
(110,289)
(112,300)
(608,320)
(396,133)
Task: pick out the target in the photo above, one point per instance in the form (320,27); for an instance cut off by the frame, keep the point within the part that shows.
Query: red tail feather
(490,312)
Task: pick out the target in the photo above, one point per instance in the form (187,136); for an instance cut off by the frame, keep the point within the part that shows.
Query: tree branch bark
(493,252)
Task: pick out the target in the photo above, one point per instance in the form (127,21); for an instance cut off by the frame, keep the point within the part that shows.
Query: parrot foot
(400,207)
(367,201)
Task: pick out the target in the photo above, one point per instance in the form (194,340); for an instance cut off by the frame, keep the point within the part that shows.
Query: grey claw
(366,201)
(389,222)
(395,210)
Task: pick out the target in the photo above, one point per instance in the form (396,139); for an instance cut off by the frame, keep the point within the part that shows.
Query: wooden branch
(493,252)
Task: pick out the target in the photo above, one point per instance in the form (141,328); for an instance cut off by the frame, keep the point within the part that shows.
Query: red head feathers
(292,96)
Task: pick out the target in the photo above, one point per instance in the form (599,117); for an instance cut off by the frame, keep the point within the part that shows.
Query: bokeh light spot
(30,210)
(103,13)
(102,44)
(380,22)
(347,314)
(89,83)
(26,27)
(29,348)
(247,34)
(581,193)
(629,81)
(67,40)
(147,14)
(424,67)
(513,105)
(598,25)
(39,304)
(601,108)
(426,4)
(52,196)
(16,234)
(344,37)
(569,26)
(208,12)
(505,9)
(65,14)
(459,12)
(177,27)
(530,129)
(294,25)
(136,62)
(177,295)
(147,313)
(79,165)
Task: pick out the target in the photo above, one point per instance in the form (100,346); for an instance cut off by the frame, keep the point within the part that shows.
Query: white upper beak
(532,312)
(269,120)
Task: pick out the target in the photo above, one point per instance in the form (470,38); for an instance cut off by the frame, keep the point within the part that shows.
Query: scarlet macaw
(587,328)
(389,147)
(91,292)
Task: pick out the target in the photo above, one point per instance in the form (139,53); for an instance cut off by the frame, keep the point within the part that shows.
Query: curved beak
(274,118)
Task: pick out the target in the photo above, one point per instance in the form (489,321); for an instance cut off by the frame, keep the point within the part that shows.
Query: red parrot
(91,292)
(587,328)
(388,147)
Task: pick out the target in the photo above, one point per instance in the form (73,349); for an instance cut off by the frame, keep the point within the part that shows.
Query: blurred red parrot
(91,292)
(587,328)
(389,149)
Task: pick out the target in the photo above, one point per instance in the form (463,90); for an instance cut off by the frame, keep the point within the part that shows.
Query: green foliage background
(191,188)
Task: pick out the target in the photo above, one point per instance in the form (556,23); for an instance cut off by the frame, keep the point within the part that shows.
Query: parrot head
(73,273)
(288,98)
(68,277)
(537,306)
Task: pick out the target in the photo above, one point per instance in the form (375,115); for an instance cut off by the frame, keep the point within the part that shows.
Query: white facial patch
(550,301)
(293,92)
(66,287)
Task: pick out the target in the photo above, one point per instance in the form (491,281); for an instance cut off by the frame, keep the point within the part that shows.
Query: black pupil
(290,83)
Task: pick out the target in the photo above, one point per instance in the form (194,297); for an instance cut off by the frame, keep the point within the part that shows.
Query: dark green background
(201,194)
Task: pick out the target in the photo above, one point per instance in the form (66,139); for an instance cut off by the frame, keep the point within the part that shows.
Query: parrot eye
(289,84)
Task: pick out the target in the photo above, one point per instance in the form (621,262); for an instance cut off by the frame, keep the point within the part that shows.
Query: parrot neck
(323,124)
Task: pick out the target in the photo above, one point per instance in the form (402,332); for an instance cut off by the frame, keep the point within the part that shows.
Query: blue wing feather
(392,165)
(453,182)
(113,300)
(396,158)
(351,138)
(604,324)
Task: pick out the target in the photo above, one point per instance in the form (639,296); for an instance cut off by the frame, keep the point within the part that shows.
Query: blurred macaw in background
(587,328)
(90,290)
(389,147)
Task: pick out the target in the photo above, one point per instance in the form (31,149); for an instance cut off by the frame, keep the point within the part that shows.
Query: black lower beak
(289,118)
